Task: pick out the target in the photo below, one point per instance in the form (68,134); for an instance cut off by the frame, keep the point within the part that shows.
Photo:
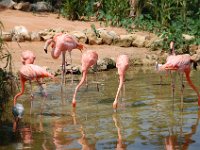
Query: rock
(188,37)
(80,36)
(92,38)
(24,6)
(40,7)
(20,33)
(105,64)
(6,36)
(35,36)
(106,37)
(139,40)
(124,40)
(7,3)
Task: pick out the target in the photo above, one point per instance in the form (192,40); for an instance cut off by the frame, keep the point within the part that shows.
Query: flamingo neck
(191,84)
(121,82)
(80,83)
(47,43)
(21,92)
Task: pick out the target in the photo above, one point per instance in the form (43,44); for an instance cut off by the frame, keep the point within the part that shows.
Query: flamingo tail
(22,90)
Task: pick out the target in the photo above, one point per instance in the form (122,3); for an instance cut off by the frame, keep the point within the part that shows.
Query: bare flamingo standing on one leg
(122,64)
(89,58)
(60,44)
(182,64)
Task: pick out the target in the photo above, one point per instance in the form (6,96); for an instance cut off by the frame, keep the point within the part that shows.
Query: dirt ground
(41,21)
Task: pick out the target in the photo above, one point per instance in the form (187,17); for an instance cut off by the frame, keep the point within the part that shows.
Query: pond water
(149,115)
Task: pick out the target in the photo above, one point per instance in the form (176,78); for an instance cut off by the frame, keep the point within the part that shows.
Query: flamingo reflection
(120,143)
(83,140)
(172,142)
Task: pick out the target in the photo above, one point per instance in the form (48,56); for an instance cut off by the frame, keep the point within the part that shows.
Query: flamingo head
(81,47)
(18,111)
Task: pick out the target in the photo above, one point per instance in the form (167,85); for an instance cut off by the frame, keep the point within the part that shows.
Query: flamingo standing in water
(30,72)
(158,66)
(60,44)
(27,72)
(28,57)
(89,59)
(122,64)
(182,64)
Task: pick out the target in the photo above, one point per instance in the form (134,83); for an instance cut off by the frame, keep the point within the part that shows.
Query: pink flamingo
(158,66)
(30,72)
(27,72)
(182,64)
(89,59)
(28,57)
(60,44)
(122,64)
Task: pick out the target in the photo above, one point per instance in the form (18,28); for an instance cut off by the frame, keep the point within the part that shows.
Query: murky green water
(149,117)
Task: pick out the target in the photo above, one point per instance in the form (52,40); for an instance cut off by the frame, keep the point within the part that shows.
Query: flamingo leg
(63,68)
(42,88)
(187,73)
(32,96)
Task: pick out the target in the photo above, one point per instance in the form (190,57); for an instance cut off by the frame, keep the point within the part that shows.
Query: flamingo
(158,66)
(30,72)
(60,44)
(89,59)
(182,64)
(27,72)
(28,57)
(122,64)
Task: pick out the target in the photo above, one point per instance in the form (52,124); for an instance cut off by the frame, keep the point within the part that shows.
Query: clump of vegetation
(168,19)
(6,77)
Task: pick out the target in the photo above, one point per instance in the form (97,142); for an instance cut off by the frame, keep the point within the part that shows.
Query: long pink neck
(21,92)
(80,83)
(192,85)
(121,82)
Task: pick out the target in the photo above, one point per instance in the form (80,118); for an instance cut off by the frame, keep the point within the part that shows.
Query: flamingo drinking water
(122,65)
(60,44)
(182,64)
(89,59)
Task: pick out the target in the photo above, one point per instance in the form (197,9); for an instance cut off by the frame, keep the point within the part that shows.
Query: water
(148,117)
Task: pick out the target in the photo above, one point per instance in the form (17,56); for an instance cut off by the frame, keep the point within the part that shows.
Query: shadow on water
(149,116)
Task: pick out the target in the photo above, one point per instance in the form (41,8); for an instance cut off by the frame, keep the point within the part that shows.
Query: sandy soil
(36,22)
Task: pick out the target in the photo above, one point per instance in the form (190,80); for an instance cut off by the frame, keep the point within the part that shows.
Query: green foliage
(6,77)
(169,18)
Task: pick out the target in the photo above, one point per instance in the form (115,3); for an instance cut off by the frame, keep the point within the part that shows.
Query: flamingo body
(122,64)
(89,58)
(30,72)
(182,64)
(60,44)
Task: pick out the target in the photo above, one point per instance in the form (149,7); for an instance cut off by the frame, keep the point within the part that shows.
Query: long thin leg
(63,68)
(31,89)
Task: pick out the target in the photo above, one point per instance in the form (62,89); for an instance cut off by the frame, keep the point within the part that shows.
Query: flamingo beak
(45,51)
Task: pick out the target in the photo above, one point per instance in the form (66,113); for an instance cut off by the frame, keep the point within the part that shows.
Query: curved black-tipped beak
(45,51)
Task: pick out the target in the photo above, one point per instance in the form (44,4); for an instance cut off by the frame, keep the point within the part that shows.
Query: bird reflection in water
(83,140)
(174,141)
(120,143)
